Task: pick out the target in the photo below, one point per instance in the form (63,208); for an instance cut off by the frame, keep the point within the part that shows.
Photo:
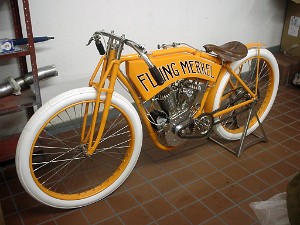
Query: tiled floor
(200,183)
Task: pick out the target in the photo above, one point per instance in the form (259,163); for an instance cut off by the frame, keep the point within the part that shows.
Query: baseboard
(274,49)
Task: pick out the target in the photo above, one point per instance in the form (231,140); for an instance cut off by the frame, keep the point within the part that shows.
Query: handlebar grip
(100,47)
(157,75)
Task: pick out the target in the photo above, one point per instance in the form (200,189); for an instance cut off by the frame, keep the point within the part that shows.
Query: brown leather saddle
(230,52)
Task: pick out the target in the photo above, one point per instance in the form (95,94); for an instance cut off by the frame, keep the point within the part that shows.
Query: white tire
(38,155)
(268,86)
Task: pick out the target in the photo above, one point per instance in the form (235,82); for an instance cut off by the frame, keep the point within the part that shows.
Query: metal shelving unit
(27,99)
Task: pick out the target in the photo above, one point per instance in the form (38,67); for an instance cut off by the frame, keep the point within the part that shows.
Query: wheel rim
(58,161)
(234,91)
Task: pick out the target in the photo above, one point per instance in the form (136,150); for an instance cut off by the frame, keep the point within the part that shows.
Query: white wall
(196,22)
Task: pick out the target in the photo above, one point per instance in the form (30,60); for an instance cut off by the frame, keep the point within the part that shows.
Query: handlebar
(138,48)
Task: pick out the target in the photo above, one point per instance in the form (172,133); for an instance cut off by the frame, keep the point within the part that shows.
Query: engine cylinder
(179,102)
(167,100)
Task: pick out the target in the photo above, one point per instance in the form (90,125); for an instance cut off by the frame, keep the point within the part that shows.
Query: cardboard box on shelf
(288,67)
(290,42)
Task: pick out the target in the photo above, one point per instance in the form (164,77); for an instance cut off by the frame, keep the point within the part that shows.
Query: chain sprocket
(197,128)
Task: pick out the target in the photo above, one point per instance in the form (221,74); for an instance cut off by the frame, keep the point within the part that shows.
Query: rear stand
(255,139)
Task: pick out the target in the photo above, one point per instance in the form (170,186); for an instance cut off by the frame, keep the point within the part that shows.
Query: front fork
(88,136)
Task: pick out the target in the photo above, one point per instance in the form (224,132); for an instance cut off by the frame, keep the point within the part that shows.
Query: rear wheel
(52,161)
(230,92)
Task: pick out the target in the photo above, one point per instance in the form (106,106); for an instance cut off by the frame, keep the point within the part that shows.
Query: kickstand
(242,145)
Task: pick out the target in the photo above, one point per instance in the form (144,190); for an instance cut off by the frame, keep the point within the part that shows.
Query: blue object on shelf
(7,45)
(24,41)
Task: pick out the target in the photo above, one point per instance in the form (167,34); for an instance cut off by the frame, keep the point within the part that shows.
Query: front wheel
(230,93)
(52,161)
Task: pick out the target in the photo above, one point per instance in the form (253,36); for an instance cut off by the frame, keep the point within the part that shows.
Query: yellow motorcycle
(80,146)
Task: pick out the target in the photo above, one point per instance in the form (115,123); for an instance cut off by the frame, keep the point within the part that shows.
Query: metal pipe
(21,83)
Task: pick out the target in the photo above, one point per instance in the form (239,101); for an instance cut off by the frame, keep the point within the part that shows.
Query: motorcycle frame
(111,72)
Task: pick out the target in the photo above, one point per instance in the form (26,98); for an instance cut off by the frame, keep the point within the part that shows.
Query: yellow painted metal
(93,143)
(257,70)
(240,81)
(208,106)
(91,82)
(110,66)
(230,109)
(254,45)
(203,101)
(173,65)
(83,138)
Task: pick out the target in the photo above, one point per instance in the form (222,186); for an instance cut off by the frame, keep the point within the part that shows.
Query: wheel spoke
(59,159)
(233,94)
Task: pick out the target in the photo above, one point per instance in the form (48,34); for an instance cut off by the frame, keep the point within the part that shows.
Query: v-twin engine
(177,105)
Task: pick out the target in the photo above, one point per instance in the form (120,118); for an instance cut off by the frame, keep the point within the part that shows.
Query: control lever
(98,44)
